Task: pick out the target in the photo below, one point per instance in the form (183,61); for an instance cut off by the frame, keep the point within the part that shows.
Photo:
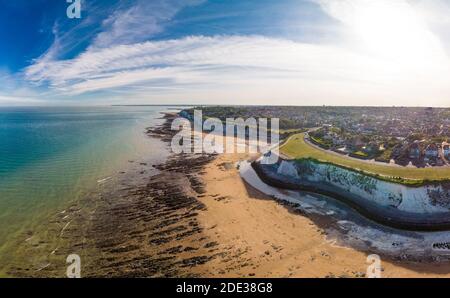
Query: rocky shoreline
(193,216)
(145,230)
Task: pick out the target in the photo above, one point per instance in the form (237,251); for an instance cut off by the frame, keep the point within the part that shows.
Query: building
(371,148)
(414,151)
(357,142)
(446,150)
(432,151)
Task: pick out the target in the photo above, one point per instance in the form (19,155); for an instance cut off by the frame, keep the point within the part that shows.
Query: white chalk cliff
(424,199)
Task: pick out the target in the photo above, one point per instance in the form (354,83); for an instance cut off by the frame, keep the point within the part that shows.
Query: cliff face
(402,234)
(359,187)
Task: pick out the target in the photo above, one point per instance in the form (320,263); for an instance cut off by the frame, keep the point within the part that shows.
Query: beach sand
(274,240)
(193,217)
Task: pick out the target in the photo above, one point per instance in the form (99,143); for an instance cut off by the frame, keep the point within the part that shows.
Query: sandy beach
(275,240)
(260,237)
(193,216)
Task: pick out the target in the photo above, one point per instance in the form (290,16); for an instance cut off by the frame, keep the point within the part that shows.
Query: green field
(296,148)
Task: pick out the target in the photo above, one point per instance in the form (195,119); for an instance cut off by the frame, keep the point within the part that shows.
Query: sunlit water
(50,156)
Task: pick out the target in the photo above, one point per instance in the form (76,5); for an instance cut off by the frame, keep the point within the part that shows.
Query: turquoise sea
(50,156)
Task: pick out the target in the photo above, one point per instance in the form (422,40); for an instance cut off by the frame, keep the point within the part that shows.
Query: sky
(262,52)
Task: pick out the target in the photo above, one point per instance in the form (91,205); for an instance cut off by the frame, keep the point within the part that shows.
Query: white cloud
(384,64)
(252,65)
(436,13)
(125,24)
(395,29)
(139,22)
(8,100)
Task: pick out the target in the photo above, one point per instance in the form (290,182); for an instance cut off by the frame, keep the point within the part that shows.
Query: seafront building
(414,151)
(446,150)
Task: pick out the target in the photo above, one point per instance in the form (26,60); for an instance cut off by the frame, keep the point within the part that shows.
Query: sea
(50,156)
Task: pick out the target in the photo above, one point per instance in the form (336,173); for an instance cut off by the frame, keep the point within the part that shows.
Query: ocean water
(50,156)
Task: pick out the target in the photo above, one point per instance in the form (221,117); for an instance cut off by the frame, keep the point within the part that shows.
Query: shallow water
(50,156)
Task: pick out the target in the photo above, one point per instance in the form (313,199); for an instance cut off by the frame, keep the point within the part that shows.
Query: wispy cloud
(226,61)
(111,24)
(257,69)
(139,22)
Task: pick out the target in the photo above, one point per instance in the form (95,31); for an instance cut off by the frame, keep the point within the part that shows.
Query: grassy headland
(296,148)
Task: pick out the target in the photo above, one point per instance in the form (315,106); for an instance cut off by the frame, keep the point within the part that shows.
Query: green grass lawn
(360,154)
(296,148)
(321,142)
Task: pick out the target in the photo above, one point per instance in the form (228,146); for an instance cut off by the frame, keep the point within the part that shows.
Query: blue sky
(300,52)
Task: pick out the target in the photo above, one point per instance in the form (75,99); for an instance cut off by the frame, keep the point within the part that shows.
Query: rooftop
(296,148)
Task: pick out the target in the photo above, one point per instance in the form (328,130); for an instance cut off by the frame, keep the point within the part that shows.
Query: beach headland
(194,216)
(398,206)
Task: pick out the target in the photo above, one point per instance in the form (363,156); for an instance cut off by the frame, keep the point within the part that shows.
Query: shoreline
(268,236)
(142,224)
(278,239)
(196,217)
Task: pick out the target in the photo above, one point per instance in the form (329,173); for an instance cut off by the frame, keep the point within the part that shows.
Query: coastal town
(415,137)
(414,150)
(407,136)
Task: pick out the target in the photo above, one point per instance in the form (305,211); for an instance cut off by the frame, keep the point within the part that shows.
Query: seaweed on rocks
(146,229)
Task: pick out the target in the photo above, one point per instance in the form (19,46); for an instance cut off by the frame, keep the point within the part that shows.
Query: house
(357,142)
(414,151)
(371,148)
(446,150)
(328,137)
(338,141)
(432,151)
